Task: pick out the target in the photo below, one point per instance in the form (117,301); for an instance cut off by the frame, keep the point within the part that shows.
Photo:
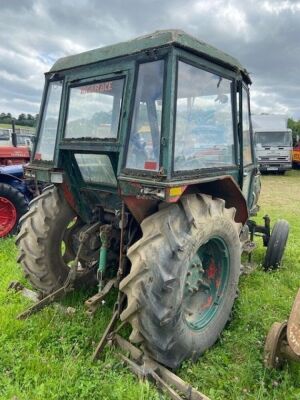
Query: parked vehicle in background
(15,151)
(15,195)
(15,192)
(296,154)
(273,142)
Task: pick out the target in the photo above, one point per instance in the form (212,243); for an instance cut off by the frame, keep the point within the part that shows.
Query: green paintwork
(102,259)
(205,284)
(121,60)
(157,39)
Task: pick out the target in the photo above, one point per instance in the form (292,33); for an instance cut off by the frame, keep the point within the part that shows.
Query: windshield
(94,110)
(273,139)
(204,127)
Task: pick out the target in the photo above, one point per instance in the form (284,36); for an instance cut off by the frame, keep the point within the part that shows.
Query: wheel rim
(205,284)
(8,216)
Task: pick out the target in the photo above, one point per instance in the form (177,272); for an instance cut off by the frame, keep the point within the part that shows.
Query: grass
(48,356)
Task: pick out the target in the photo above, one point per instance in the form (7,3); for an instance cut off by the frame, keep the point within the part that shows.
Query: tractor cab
(149,120)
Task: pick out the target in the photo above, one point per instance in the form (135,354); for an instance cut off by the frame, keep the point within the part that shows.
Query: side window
(204,126)
(247,151)
(48,130)
(96,168)
(144,141)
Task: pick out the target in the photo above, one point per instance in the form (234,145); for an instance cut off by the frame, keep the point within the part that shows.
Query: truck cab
(273,143)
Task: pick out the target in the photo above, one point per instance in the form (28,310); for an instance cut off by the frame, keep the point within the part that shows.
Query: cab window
(94,110)
(144,140)
(204,134)
(48,131)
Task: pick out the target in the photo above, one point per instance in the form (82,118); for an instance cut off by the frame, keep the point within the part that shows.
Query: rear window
(94,110)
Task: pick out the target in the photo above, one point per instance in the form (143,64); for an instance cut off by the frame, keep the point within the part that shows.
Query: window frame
(244,89)
(205,65)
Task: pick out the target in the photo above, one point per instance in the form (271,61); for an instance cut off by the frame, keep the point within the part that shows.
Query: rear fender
(224,188)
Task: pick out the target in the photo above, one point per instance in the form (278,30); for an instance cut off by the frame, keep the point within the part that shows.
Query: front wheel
(276,245)
(183,279)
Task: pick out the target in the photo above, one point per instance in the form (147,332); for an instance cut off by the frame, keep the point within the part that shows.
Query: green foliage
(48,356)
(22,120)
(295,127)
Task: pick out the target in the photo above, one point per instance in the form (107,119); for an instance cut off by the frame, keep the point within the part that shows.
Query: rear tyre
(276,245)
(183,279)
(43,234)
(13,204)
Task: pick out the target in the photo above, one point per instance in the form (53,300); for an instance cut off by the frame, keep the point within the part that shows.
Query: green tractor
(149,149)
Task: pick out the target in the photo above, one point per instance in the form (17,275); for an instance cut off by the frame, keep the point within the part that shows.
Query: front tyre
(276,245)
(183,279)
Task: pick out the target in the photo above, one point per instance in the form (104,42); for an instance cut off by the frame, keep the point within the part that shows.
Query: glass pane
(24,140)
(204,126)
(96,168)
(273,139)
(4,135)
(48,131)
(247,152)
(94,110)
(144,142)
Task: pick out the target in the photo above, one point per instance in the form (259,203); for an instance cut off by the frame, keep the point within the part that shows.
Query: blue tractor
(15,195)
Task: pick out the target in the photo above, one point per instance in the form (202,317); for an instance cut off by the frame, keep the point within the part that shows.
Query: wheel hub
(8,216)
(205,283)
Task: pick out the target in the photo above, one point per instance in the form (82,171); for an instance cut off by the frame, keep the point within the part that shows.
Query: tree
(295,127)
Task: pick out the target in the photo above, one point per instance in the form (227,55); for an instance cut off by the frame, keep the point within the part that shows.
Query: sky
(263,35)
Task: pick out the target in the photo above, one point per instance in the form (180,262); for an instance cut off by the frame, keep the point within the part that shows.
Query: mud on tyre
(183,279)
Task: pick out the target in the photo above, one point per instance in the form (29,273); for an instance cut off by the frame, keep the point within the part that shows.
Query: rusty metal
(57,295)
(293,328)
(283,340)
(104,338)
(272,352)
(93,302)
(30,294)
(146,368)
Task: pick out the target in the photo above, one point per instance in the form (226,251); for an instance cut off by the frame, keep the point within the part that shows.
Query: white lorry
(273,142)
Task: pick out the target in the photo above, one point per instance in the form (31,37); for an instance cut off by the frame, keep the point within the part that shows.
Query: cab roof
(159,38)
